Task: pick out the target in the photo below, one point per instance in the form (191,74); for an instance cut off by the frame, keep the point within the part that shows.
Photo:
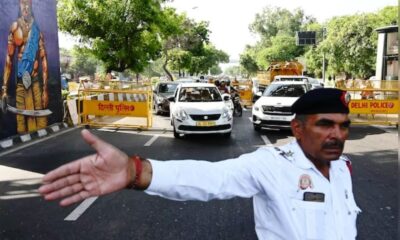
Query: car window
(277,90)
(167,88)
(199,94)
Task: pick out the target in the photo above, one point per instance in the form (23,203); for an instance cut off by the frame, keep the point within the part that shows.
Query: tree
(248,64)
(122,34)
(232,71)
(83,62)
(276,28)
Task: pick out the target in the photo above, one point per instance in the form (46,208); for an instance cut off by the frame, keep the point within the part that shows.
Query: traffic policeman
(301,190)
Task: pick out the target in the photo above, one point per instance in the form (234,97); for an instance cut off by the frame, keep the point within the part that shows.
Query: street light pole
(323,56)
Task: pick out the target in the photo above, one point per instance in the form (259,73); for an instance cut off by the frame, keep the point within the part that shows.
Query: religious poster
(29,67)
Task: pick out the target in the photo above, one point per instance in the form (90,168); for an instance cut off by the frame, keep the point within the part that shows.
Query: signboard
(374,106)
(115,108)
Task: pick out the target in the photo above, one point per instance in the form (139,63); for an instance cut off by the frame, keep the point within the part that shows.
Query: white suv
(199,108)
(273,108)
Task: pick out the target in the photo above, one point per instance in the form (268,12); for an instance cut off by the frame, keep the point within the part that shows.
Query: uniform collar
(300,159)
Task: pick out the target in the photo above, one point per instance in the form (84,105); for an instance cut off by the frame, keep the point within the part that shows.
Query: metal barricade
(373,102)
(115,104)
(245,92)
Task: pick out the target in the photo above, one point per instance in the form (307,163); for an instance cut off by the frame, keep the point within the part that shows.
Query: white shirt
(277,179)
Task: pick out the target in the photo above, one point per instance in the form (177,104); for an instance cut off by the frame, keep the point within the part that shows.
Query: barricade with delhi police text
(115,104)
(373,102)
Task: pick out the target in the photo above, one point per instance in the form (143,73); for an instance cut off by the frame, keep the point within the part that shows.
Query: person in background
(301,190)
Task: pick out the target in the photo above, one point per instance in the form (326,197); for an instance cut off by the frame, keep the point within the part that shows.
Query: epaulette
(348,163)
(287,155)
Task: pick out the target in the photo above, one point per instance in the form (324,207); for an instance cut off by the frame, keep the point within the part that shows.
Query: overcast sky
(230,19)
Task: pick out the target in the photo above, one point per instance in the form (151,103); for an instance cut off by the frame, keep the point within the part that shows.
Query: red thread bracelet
(138,171)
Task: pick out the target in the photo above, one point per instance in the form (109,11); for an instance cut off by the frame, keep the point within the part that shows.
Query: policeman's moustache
(333,144)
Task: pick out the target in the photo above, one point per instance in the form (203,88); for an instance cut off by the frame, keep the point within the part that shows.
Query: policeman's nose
(337,132)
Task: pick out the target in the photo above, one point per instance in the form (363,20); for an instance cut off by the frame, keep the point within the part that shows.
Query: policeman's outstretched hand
(104,172)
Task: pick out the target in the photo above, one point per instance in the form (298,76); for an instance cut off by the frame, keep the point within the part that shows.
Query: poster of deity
(29,66)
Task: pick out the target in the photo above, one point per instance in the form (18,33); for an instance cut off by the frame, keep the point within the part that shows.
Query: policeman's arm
(10,53)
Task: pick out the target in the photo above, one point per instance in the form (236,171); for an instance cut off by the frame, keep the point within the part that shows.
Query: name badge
(313,197)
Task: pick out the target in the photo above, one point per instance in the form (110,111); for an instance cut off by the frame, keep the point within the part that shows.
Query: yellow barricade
(245,92)
(115,104)
(373,101)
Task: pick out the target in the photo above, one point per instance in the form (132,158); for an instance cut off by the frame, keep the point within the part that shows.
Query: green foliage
(215,70)
(248,64)
(350,44)
(122,34)
(83,62)
(276,28)
(233,71)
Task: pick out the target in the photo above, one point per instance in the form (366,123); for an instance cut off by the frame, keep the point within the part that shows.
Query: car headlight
(227,114)
(256,108)
(181,115)
(159,99)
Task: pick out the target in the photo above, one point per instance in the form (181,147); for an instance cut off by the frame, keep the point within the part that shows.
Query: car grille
(275,110)
(274,123)
(211,117)
(212,128)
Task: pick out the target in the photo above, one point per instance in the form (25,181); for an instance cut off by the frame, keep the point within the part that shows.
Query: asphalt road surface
(134,215)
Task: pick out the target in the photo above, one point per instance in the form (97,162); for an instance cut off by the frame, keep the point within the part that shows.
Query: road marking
(74,215)
(266,141)
(251,120)
(35,142)
(151,141)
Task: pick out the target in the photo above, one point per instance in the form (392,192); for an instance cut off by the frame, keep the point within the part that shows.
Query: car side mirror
(226,97)
(171,99)
(259,94)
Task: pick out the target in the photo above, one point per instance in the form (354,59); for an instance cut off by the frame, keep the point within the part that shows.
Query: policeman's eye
(324,123)
(345,125)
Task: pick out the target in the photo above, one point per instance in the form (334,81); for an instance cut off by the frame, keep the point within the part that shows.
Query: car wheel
(257,127)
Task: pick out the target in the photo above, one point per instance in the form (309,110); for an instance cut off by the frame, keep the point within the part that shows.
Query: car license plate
(278,118)
(205,123)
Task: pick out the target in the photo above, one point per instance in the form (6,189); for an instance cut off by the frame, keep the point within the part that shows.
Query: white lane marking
(151,141)
(78,211)
(35,142)
(251,120)
(266,141)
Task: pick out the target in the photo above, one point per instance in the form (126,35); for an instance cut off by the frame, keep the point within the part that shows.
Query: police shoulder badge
(305,182)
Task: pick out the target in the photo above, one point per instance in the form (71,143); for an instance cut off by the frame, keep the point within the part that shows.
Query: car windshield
(167,88)
(199,94)
(285,90)
(313,81)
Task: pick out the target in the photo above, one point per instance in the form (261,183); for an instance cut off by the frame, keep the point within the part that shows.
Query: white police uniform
(277,179)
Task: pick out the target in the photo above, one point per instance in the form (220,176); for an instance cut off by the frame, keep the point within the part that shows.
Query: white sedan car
(199,108)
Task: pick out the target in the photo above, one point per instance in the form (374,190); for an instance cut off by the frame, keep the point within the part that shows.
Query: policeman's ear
(297,127)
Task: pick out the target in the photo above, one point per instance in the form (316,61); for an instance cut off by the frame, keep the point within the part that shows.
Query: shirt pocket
(310,218)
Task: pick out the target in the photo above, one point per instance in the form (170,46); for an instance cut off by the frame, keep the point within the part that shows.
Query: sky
(229,20)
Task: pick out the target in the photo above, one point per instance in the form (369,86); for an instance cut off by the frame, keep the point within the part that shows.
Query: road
(134,215)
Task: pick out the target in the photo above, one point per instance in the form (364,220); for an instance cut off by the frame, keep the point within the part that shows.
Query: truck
(265,77)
